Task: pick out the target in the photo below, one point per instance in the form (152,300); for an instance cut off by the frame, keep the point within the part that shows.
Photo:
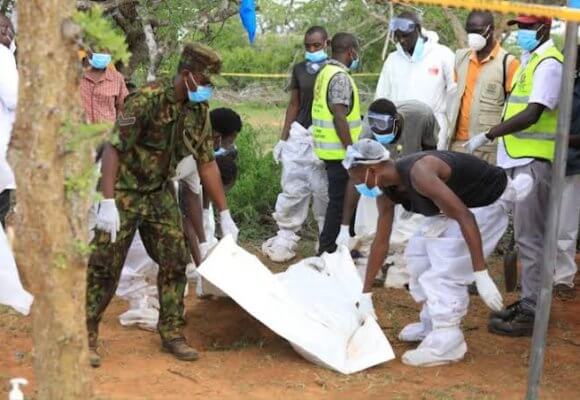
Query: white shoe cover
(441,346)
(415,332)
(397,277)
(144,314)
(282,247)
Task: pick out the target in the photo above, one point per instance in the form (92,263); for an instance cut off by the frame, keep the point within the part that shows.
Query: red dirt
(241,359)
(222,324)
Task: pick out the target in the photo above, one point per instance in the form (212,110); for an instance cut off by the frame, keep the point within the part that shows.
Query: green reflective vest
(538,140)
(327,144)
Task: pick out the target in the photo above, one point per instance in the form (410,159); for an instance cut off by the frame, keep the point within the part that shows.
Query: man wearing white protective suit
(407,128)
(420,69)
(447,253)
(11,291)
(8,102)
(303,174)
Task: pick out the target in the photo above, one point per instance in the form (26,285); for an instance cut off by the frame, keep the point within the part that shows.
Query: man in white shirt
(420,69)
(8,101)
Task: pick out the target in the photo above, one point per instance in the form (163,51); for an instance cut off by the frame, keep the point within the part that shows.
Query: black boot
(508,313)
(94,357)
(519,323)
(180,349)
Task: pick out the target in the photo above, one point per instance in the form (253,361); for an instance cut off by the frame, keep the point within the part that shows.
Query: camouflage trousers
(156,216)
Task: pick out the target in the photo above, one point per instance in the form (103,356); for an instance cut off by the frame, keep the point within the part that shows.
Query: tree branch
(153,48)
(6,4)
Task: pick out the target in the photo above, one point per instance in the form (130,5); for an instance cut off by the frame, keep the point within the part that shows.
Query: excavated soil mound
(221,324)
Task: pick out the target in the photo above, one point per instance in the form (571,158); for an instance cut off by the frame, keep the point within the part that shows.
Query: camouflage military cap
(200,58)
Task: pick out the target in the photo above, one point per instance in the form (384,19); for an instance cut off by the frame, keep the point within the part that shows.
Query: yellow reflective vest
(327,144)
(538,140)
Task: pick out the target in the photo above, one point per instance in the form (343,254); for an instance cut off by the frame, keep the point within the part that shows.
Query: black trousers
(337,183)
(4,206)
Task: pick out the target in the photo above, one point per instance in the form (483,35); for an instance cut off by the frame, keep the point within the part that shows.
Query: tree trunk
(127,18)
(51,223)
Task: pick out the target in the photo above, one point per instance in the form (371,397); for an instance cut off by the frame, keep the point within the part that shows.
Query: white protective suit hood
(432,39)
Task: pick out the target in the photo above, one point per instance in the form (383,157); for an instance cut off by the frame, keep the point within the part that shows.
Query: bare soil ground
(241,359)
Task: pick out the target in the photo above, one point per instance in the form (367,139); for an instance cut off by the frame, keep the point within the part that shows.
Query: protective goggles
(403,25)
(381,122)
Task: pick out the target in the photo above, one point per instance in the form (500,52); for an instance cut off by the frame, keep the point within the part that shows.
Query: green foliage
(100,34)
(253,197)
(82,184)
(282,26)
(85,132)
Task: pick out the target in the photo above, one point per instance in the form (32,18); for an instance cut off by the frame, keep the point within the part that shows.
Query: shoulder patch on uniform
(126,120)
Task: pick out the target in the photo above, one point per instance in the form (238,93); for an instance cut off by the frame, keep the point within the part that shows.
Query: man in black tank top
(437,184)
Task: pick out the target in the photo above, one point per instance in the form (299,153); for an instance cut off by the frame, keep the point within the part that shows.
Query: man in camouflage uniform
(160,127)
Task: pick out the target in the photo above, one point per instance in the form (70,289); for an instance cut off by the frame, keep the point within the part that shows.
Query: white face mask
(476,41)
(12,46)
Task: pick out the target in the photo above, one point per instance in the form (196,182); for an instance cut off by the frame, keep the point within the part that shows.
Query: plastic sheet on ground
(313,309)
(11,291)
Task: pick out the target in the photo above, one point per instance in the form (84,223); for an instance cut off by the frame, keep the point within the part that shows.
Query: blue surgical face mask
(527,39)
(354,64)
(384,139)
(100,60)
(316,57)
(367,191)
(203,93)
(419,51)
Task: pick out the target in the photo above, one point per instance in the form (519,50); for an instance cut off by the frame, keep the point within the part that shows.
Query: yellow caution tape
(276,76)
(249,75)
(504,7)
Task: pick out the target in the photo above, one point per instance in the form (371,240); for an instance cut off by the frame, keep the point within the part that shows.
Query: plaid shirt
(101,94)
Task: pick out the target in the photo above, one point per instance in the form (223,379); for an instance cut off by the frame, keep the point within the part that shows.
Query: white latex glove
(228,225)
(185,168)
(365,307)
(108,219)
(277,152)
(315,262)
(343,238)
(476,142)
(488,290)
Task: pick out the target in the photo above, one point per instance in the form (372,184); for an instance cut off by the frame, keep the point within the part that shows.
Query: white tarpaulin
(315,310)
(11,291)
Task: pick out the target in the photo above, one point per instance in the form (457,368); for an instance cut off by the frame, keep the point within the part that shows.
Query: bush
(253,197)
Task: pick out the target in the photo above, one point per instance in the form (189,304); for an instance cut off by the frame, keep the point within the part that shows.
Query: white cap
(365,152)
